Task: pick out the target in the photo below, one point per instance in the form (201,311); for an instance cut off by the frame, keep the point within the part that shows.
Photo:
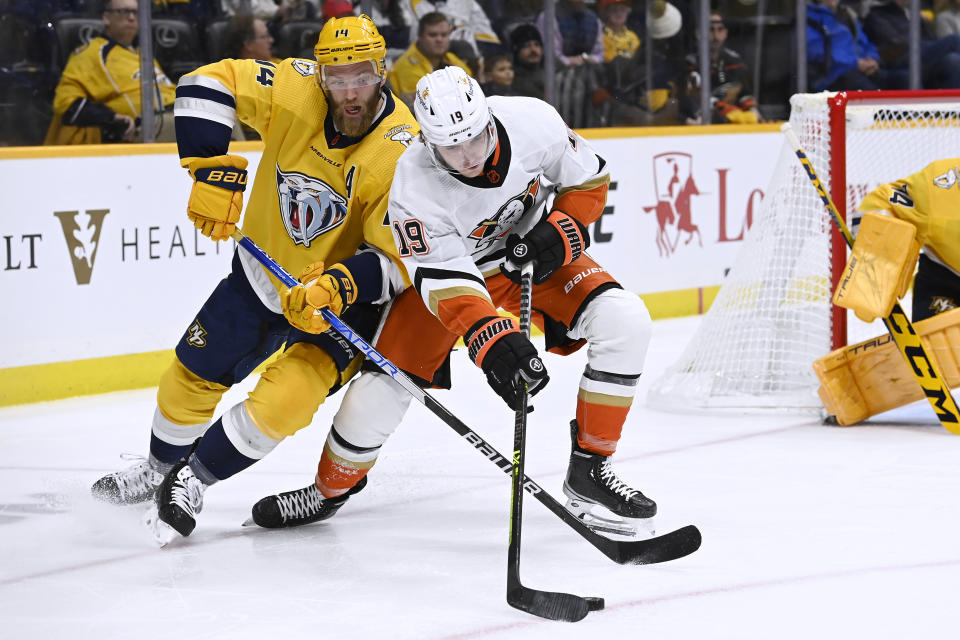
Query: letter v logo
(82,233)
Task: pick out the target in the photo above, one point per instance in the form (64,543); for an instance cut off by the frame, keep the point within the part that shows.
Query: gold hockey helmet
(351,39)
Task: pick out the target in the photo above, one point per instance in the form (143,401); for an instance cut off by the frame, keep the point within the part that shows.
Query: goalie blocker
(880,267)
(861,380)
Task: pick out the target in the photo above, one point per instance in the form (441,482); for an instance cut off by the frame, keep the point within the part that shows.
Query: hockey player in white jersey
(468,206)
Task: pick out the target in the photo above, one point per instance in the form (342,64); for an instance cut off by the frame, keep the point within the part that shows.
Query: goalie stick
(924,368)
(551,605)
(669,546)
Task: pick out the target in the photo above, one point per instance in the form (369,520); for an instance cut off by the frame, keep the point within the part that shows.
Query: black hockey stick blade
(670,546)
(552,605)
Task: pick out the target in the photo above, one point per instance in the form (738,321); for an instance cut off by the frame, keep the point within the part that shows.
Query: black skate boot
(180,498)
(133,485)
(591,482)
(303,506)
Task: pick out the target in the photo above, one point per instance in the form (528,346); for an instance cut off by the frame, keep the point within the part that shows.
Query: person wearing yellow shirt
(618,40)
(98,97)
(430,52)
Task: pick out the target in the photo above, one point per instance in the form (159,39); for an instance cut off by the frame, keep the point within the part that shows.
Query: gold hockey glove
(216,199)
(332,288)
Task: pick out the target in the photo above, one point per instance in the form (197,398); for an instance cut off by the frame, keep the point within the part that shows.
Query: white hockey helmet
(455,122)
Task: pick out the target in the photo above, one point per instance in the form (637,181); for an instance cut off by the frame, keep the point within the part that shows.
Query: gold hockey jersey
(104,72)
(930,200)
(317,195)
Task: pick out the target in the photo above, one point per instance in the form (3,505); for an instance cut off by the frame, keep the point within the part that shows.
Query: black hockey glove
(507,357)
(552,243)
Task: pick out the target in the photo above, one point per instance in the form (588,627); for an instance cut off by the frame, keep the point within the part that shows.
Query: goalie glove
(216,199)
(507,357)
(332,288)
(552,243)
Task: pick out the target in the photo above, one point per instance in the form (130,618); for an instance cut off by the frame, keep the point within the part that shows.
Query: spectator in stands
(248,37)
(197,10)
(336,9)
(578,46)
(624,97)
(527,49)
(471,35)
(731,87)
(578,34)
(498,72)
(98,97)
(888,26)
(618,40)
(273,9)
(263,9)
(507,15)
(430,52)
(947,22)
(841,55)
(394,20)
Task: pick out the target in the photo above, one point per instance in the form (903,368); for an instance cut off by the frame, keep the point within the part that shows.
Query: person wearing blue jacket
(840,55)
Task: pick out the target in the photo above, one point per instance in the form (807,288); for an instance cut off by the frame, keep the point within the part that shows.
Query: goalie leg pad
(291,390)
(880,266)
(864,379)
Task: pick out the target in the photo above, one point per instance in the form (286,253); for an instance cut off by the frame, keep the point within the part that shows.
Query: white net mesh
(771,319)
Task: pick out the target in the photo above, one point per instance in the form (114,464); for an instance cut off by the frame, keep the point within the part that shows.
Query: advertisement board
(98,260)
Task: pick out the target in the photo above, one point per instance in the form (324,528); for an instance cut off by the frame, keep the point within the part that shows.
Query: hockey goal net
(773,315)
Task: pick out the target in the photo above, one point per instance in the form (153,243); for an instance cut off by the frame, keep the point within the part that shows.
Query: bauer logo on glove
(216,199)
(232,179)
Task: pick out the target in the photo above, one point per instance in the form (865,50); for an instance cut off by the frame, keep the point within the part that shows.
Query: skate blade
(604,521)
(248,523)
(163,534)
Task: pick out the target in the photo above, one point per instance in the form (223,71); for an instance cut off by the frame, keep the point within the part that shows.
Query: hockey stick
(925,368)
(546,604)
(669,546)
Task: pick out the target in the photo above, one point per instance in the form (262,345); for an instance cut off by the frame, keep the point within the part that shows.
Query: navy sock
(167,453)
(216,458)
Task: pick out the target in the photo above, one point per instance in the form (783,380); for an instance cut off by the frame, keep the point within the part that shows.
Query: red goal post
(773,315)
(846,196)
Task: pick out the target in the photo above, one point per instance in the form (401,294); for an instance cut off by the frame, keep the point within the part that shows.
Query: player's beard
(355,127)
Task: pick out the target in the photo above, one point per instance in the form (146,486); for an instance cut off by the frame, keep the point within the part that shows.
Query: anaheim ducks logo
(501,223)
(309,206)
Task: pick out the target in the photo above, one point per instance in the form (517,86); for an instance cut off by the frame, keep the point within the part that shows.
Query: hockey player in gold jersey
(930,202)
(892,223)
(332,136)
(98,97)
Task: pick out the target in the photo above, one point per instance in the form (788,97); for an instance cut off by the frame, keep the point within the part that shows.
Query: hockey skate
(133,485)
(180,499)
(303,506)
(592,484)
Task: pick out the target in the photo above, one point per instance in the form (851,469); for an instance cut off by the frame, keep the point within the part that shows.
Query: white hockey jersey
(451,231)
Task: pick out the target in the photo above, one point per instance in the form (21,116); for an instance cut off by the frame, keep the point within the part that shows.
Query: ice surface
(810,531)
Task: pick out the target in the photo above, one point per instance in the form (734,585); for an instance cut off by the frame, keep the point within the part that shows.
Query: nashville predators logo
(501,223)
(939,304)
(197,335)
(309,206)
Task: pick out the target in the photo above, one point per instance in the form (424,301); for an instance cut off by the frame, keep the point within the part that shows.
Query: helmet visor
(345,77)
(468,156)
